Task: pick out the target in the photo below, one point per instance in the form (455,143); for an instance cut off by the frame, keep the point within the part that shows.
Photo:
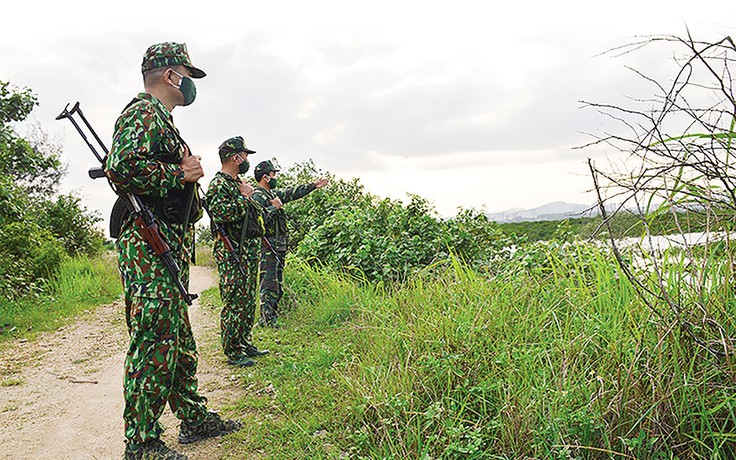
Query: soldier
(273,255)
(229,199)
(149,158)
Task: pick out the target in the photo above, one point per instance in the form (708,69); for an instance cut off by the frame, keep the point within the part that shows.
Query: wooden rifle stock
(146,223)
(152,236)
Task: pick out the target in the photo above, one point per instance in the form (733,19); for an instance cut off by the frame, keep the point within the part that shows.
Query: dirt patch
(61,394)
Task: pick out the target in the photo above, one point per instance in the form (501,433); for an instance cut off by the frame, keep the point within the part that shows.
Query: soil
(61,394)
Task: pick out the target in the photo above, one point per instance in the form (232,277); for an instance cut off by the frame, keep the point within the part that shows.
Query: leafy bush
(384,241)
(11,201)
(344,227)
(72,224)
(311,211)
(475,239)
(29,256)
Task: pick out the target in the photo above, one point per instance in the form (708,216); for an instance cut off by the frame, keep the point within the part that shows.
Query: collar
(156,103)
(227,176)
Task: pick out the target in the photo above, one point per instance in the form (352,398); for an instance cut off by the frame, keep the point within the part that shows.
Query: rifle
(143,217)
(223,236)
(273,251)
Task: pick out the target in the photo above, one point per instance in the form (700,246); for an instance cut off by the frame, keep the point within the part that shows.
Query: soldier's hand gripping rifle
(144,218)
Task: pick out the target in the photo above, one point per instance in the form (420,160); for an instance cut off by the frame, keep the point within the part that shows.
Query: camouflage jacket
(275,219)
(228,207)
(136,164)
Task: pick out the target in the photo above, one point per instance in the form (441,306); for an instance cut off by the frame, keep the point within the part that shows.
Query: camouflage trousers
(239,299)
(272,279)
(160,366)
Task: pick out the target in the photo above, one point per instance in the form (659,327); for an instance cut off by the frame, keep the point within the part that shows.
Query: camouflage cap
(264,167)
(169,54)
(232,146)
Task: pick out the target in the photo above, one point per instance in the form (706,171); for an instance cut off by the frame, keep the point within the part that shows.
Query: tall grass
(474,366)
(563,362)
(81,284)
(203,255)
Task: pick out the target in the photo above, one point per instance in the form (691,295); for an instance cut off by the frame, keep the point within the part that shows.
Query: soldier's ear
(167,77)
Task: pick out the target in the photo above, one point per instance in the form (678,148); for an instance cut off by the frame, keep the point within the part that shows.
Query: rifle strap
(243,229)
(187,215)
(276,232)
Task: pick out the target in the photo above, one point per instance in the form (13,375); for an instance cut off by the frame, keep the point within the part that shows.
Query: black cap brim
(195,72)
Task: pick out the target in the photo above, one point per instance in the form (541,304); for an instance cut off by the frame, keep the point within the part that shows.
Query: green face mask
(187,88)
(272,182)
(243,167)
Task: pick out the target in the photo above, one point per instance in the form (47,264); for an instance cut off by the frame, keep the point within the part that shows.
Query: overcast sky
(465,103)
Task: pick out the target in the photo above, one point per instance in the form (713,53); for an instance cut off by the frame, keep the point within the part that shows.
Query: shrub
(29,256)
(384,241)
(73,225)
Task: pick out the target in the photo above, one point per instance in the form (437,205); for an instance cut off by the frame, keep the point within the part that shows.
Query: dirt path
(61,396)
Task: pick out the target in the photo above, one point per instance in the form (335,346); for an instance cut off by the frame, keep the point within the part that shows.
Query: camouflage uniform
(161,363)
(229,208)
(273,259)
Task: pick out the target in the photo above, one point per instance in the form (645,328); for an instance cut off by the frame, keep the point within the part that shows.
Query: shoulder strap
(243,229)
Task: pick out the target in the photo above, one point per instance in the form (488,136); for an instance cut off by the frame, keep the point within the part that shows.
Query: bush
(311,211)
(474,238)
(73,225)
(29,256)
(344,227)
(384,241)
(11,203)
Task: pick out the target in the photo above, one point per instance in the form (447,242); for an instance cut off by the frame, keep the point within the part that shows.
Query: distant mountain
(558,210)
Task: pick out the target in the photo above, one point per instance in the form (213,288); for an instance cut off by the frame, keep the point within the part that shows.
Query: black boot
(152,450)
(210,427)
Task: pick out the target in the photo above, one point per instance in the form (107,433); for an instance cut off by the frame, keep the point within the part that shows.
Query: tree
(679,158)
(34,163)
(37,227)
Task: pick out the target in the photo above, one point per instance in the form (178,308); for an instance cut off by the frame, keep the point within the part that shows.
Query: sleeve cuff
(179,175)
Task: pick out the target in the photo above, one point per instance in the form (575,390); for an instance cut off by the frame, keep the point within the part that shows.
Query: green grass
(11,382)
(560,360)
(80,285)
(561,363)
